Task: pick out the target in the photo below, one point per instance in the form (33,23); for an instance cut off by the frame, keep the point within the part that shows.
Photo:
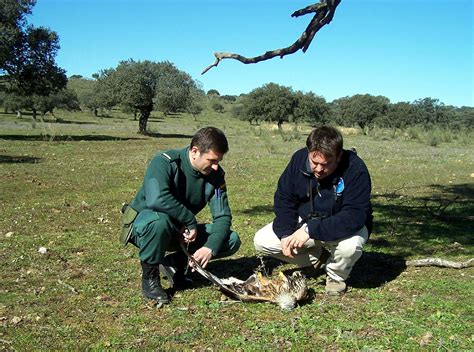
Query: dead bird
(284,290)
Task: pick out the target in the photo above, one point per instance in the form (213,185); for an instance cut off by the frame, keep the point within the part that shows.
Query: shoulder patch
(340,186)
(170,155)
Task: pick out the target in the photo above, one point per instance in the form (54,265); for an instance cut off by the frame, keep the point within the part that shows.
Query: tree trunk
(34,114)
(142,122)
(95,112)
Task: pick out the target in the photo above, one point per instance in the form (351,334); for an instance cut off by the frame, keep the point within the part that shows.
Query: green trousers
(154,234)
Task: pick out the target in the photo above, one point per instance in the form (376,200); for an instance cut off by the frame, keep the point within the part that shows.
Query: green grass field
(62,186)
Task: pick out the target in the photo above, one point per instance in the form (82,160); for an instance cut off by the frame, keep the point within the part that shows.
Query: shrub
(465,138)
(257,131)
(414,133)
(434,138)
(288,136)
(217,106)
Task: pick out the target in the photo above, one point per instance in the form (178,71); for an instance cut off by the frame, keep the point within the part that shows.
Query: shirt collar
(187,166)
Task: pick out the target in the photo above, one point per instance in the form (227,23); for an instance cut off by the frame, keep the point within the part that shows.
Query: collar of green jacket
(187,166)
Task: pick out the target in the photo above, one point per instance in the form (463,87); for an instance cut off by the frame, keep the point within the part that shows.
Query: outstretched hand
(202,256)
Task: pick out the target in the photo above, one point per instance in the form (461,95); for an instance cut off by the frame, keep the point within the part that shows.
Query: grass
(62,188)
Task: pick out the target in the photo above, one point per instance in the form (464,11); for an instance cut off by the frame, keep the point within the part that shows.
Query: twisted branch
(442,263)
(324,13)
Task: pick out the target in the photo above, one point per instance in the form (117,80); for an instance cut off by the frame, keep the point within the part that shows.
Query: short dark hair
(210,138)
(325,139)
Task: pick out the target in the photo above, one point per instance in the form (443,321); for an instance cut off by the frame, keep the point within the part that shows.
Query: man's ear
(339,157)
(194,151)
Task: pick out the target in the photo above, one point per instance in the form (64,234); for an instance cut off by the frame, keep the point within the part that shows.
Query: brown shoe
(335,288)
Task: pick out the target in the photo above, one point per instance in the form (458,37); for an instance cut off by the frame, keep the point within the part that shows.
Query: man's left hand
(203,255)
(189,235)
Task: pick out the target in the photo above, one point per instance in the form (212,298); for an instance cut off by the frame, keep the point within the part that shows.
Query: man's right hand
(285,247)
(189,235)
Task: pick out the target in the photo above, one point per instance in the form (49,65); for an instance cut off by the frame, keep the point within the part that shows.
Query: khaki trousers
(344,253)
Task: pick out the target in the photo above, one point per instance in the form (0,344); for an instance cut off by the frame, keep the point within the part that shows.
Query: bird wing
(227,289)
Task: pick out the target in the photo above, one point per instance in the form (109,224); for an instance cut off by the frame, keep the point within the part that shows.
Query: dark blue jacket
(341,201)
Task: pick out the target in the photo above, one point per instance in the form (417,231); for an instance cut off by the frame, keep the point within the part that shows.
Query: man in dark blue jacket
(322,206)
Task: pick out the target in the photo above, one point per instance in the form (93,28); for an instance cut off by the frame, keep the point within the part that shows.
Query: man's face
(321,165)
(205,162)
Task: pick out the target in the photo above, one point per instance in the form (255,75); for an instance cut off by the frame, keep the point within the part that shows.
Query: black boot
(174,268)
(151,286)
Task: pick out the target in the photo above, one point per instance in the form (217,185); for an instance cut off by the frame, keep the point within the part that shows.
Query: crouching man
(178,184)
(323,214)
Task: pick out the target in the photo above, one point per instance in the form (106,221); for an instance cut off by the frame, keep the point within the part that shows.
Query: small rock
(15,320)
(9,234)
(85,206)
(42,250)
(426,338)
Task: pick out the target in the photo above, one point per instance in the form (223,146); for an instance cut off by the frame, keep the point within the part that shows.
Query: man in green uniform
(178,184)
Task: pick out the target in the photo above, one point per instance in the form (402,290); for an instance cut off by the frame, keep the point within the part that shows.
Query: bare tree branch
(441,263)
(324,13)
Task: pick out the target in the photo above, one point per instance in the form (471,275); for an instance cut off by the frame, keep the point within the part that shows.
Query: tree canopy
(271,102)
(27,53)
(144,85)
(311,108)
(360,109)
(276,103)
(84,89)
(12,25)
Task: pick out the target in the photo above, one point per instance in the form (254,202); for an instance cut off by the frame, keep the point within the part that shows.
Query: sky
(401,49)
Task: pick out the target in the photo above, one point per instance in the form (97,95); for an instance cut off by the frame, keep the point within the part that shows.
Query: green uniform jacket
(172,186)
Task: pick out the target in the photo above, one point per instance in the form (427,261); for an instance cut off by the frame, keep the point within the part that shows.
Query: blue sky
(401,49)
